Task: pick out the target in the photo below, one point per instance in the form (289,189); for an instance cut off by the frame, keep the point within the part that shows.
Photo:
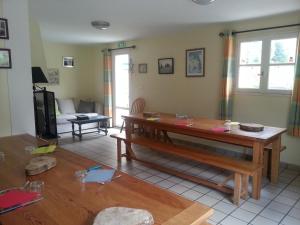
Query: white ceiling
(69,20)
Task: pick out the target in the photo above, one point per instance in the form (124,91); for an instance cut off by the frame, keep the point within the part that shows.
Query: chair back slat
(138,106)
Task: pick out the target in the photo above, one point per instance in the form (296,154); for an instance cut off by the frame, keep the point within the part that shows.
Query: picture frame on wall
(166,66)
(143,68)
(4,29)
(195,62)
(5,58)
(53,76)
(68,61)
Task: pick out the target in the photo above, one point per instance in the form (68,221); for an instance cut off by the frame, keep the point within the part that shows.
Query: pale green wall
(176,93)
(269,109)
(37,46)
(85,80)
(200,96)
(77,82)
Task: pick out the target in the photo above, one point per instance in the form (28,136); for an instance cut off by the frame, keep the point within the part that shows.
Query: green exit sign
(121,44)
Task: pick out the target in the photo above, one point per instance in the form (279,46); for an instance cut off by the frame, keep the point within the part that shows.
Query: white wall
(200,96)
(268,109)
(19,77)
(78,82)
(5,129)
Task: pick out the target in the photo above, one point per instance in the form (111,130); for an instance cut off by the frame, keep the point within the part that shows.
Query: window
(267,64)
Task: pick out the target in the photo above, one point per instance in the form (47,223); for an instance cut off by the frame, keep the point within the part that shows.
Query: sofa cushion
(66,106)
(63,118)
(86,107)
(87,114)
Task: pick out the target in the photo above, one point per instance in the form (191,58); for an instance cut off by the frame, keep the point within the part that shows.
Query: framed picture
(166,66)
(5,58)
(143,68)
(3,29)
(53,76)
(68,61)
(195,62)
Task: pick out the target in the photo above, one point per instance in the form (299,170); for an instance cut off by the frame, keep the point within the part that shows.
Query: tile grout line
(273,199)
(287,214)
(258,214)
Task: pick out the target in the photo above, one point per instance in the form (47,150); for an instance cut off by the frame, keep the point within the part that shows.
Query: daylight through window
(267,64)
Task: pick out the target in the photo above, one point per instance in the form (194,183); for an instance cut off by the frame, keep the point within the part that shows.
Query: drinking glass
(36,186)
(80,175)
(28,149)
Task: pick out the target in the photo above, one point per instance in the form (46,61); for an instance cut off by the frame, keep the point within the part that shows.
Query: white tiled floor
(279,204)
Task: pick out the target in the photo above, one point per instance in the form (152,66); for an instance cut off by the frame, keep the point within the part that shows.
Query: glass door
(121,86)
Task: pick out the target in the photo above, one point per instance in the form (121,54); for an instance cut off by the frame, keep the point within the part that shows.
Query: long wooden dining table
(204,129)
(69,202)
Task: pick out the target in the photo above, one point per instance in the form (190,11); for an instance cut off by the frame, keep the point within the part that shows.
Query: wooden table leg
(266,163)
(166,137)
(80,134)
(258,149)
(128,130)
(237,188)
(119,152)
(275,159)
(245,183)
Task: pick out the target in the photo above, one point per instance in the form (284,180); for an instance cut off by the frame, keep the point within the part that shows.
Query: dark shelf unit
(45,115)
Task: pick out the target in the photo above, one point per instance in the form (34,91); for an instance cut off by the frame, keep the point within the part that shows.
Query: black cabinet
(45,115)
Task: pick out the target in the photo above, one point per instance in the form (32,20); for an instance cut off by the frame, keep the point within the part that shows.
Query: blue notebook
(100,175)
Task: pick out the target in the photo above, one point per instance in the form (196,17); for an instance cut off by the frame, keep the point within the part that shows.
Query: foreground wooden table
(202,128)
(67,202)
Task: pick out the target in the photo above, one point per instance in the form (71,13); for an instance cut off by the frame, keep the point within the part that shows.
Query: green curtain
(108,108)
(226,103)
(294,114)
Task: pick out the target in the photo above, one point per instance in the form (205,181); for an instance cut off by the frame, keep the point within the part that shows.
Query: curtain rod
(113,49)
(260,29)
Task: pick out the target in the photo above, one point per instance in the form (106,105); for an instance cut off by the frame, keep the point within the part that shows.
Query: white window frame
(266,37)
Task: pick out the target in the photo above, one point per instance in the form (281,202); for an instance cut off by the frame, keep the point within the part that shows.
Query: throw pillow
(86,107)
(66,106)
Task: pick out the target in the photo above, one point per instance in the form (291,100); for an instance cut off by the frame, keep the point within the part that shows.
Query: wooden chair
(137,106)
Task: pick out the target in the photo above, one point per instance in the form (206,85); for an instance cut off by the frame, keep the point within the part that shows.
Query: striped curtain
(108,107)
(226,104)
(294,115)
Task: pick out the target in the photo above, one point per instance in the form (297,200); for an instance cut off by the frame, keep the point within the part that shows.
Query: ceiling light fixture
(101,25)
(203,2)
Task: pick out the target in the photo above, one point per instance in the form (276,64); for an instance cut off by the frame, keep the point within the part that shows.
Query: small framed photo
(5,58)
(3,29)
(195,62)
(166,66)
(143,68)
(68,61)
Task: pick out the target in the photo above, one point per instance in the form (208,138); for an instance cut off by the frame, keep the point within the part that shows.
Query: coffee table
(100,119)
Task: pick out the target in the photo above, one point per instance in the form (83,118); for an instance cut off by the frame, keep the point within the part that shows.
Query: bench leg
(237,188)
(119,151)
(266,163)
(275,160)
(245,183)
(258,149)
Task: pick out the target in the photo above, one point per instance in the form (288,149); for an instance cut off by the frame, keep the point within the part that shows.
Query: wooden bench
(242,169)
